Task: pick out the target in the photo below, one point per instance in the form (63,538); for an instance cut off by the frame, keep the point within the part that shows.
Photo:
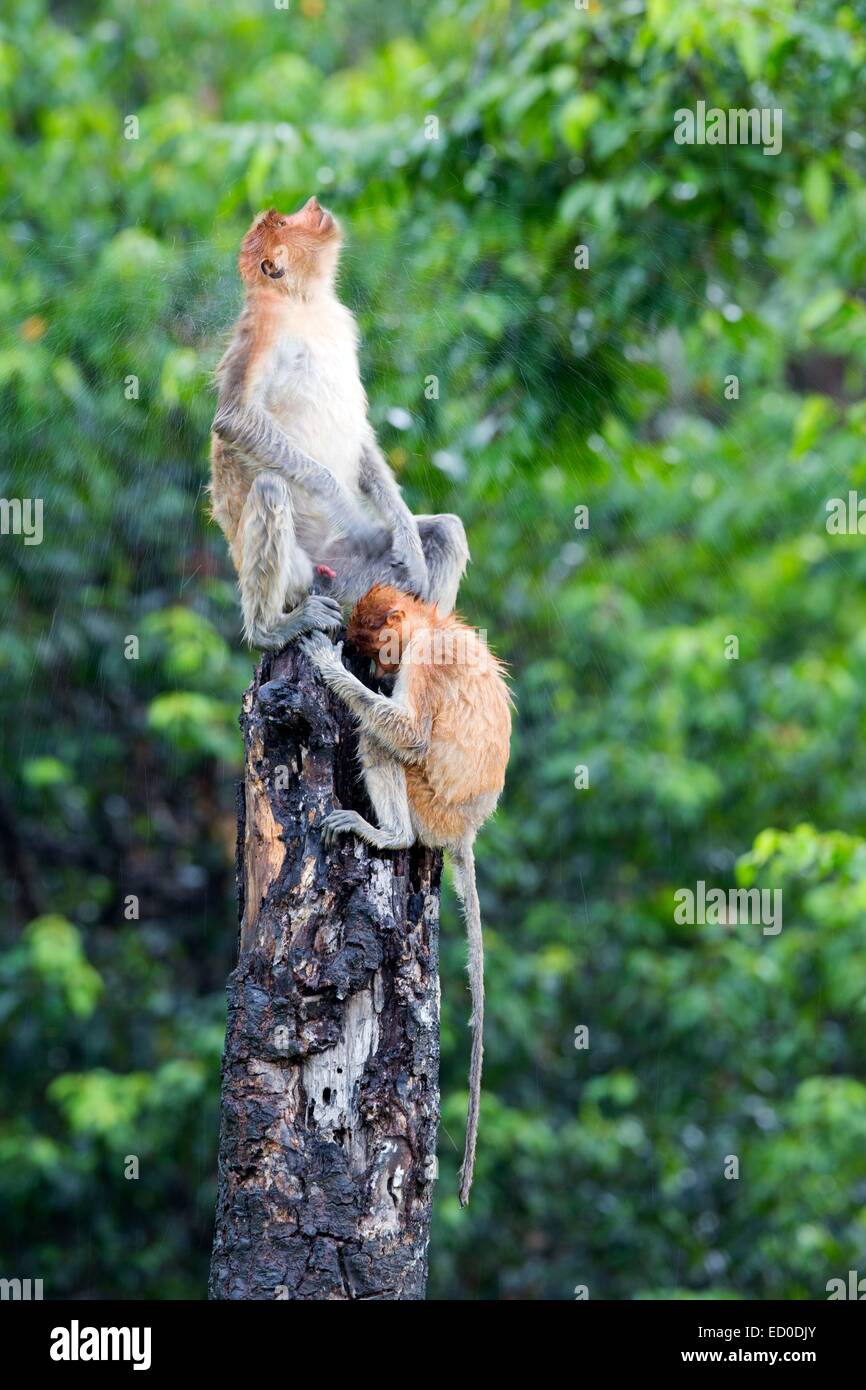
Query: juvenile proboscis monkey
(298,482)
(433,757)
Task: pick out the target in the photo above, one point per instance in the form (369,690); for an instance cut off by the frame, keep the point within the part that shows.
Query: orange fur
(292,244)
(455,689)
(304,247)
(448,726)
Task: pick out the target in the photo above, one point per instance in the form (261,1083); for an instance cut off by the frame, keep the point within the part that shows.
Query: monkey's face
(380,638)
(294,251)
(377,628)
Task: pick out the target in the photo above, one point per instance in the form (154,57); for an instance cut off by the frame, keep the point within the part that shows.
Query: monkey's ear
(258,254)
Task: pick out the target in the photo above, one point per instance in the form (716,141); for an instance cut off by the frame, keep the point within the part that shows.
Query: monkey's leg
(357,570)
(386,788)
(446,551)
(272,566)
(379,485)
(255,432)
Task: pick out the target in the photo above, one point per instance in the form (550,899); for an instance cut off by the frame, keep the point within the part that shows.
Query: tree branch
(330,1096)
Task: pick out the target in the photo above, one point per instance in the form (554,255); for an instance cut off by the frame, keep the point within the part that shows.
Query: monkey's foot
(348,822)
(320,613)
(315,613)
(340,823)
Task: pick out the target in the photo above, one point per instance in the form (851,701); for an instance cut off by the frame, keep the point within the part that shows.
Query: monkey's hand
(407,553)
(260,436)
(325,655)
(408,562)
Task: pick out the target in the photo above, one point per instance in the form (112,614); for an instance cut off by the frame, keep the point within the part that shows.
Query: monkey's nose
(312,204)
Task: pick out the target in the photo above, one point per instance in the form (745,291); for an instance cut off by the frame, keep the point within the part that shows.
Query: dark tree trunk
(330,1091)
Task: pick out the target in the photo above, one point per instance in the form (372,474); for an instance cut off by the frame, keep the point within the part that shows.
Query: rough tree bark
(330,1092)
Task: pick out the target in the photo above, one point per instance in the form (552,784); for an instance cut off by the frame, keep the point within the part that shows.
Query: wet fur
(433,755)
(297,477)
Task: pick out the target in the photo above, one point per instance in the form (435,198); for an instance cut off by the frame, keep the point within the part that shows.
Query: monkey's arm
(255,432)
(379,484)
(394,728)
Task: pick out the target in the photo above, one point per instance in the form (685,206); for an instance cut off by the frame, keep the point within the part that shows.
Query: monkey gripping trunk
(330,1096)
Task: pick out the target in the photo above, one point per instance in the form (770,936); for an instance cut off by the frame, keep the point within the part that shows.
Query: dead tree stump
(330,1086)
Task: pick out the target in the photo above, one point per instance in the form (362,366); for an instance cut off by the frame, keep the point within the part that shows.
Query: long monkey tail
(464,866)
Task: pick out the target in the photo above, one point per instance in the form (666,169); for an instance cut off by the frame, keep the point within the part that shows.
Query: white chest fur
(314,384)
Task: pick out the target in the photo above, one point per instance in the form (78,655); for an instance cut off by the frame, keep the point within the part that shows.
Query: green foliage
(557,388)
